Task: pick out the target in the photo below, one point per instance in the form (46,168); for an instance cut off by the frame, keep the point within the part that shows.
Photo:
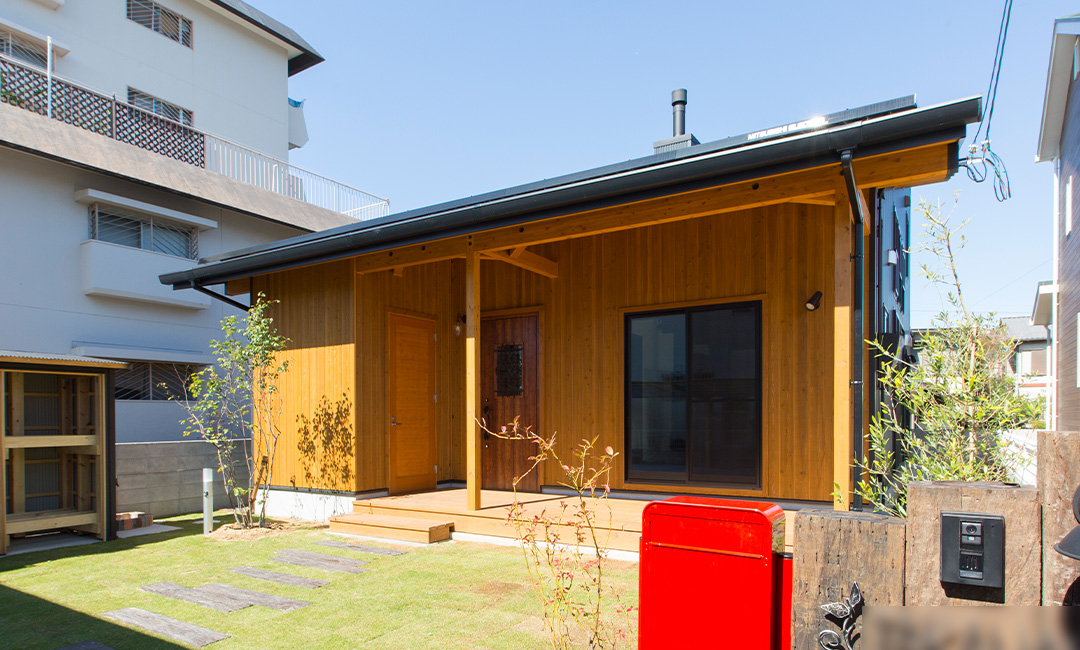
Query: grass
(448,595)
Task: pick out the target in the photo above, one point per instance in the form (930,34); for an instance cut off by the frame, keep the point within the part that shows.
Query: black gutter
(683,170)
(857,325)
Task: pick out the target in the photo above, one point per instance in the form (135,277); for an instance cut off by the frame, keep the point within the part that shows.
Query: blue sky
(423,102)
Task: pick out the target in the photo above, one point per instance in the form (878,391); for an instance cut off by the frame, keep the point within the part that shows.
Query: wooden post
(842,370)
(832,551)
(102,466)
(473,439)
(3,463)
(18,475)
(66,429)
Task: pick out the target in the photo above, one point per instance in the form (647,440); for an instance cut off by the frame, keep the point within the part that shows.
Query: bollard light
(1069,546)
(208,501)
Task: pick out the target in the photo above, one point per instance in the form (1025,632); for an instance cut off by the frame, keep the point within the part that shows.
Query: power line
(981,160)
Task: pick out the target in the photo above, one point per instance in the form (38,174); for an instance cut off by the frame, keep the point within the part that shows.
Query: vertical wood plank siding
(1068,394)
(778,254)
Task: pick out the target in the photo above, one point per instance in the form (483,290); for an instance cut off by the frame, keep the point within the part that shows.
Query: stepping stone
(253,597)
(169,627)
(283,578)
(213,601)
(362,548)
(319,561)
(86,645)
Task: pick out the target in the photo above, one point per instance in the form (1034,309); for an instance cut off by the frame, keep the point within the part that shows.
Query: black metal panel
(508,371)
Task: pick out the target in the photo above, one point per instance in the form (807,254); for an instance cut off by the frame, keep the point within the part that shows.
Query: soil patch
(234,533)
(497,588)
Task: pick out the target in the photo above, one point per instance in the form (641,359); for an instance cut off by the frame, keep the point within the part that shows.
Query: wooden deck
(622,529)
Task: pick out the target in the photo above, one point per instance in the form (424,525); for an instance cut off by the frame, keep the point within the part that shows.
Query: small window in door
(508,371)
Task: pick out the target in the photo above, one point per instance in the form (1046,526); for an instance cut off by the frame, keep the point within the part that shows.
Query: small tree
(236,406)
(958,394)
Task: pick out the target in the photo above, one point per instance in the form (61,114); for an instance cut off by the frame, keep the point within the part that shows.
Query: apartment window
(693,395)
(152,104)
(149,233)
(151,15)
(23,49)
(154,381)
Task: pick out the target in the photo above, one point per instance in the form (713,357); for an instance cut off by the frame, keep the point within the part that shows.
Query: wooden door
(410,408)
(509,389)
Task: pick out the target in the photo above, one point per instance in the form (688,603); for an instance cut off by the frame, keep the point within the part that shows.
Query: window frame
(151,225)
(150,389)
(633,476)
(16,46)
(157,106)
(156,11)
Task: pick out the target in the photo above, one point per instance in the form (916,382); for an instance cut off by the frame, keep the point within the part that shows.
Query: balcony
(60,99)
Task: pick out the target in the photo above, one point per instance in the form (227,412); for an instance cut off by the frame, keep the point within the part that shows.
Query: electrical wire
(981,161)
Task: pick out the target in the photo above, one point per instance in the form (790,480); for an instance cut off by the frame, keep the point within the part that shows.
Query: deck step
(424,531)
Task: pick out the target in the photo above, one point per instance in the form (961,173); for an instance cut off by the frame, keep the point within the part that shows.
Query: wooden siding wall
(316,312)
(1068,314)
(781,253)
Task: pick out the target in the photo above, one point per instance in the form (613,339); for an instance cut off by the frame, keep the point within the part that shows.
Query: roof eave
(657,177)
(1058,77)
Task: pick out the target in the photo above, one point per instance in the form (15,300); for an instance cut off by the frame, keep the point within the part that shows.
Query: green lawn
(448,595)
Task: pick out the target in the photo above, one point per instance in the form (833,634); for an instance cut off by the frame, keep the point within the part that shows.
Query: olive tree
(958,395)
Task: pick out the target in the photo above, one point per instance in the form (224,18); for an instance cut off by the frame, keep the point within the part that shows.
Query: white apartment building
(136,138)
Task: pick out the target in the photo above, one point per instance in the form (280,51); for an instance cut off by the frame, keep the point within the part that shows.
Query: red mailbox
(712,575)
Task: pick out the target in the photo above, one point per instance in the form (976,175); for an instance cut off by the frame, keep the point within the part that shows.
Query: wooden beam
(433,251)
(398,271)
(241,287)
(47,520)
(842,352)
(473,437)
(37,442)
(528,261)
(829,200)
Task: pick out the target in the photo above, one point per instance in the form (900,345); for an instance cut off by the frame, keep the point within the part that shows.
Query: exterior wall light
(813,301)
(1069,545)
(459,325)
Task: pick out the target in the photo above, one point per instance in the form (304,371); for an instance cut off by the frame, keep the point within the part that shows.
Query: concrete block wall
(165,478)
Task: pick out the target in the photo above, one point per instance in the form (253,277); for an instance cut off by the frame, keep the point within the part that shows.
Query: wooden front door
(410,407)
(509,389)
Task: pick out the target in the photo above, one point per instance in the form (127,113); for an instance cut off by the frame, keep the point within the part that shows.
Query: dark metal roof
(892,127)
(307,57)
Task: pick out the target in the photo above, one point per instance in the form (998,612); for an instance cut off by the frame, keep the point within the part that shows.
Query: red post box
(712,575)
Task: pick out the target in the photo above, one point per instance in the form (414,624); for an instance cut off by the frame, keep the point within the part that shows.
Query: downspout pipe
(225,299)
(858,281)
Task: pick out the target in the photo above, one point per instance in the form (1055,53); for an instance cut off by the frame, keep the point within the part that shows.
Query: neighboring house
(110,176)
(1029,363)
(1057,304)
(702,311)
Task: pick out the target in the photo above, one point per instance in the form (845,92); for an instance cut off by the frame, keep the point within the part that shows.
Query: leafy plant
(565,549)
(236,406)
(958,394)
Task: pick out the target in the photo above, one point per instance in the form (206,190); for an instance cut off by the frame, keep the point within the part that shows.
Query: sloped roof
(1058,77)
(879,129)
(1020,329)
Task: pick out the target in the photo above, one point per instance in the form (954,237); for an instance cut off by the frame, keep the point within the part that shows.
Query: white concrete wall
(233,78)
(44,306)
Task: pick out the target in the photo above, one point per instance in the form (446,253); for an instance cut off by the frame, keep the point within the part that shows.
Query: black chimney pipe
(678,104)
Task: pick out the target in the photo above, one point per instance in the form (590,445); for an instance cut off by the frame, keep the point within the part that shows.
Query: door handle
(487,423)
(395,424)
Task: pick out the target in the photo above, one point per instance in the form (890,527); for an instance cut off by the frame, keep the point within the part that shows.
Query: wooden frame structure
(776,234)
(58,442)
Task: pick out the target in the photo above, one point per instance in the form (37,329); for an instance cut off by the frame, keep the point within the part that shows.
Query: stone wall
(165,478)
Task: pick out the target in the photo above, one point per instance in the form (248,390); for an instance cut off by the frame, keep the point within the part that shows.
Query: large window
(158,235)
(167,23)
(693,395)
(154,381)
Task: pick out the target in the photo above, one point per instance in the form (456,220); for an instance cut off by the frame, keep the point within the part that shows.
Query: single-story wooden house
(700,310)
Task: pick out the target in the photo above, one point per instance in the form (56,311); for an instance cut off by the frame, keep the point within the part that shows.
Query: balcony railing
(47,94)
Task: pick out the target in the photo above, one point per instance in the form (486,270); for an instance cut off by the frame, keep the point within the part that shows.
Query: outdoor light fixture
(1069,546)
(459,325)
(813,302)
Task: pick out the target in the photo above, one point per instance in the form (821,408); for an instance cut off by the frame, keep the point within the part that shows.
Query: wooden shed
(661,305)
(57,443)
